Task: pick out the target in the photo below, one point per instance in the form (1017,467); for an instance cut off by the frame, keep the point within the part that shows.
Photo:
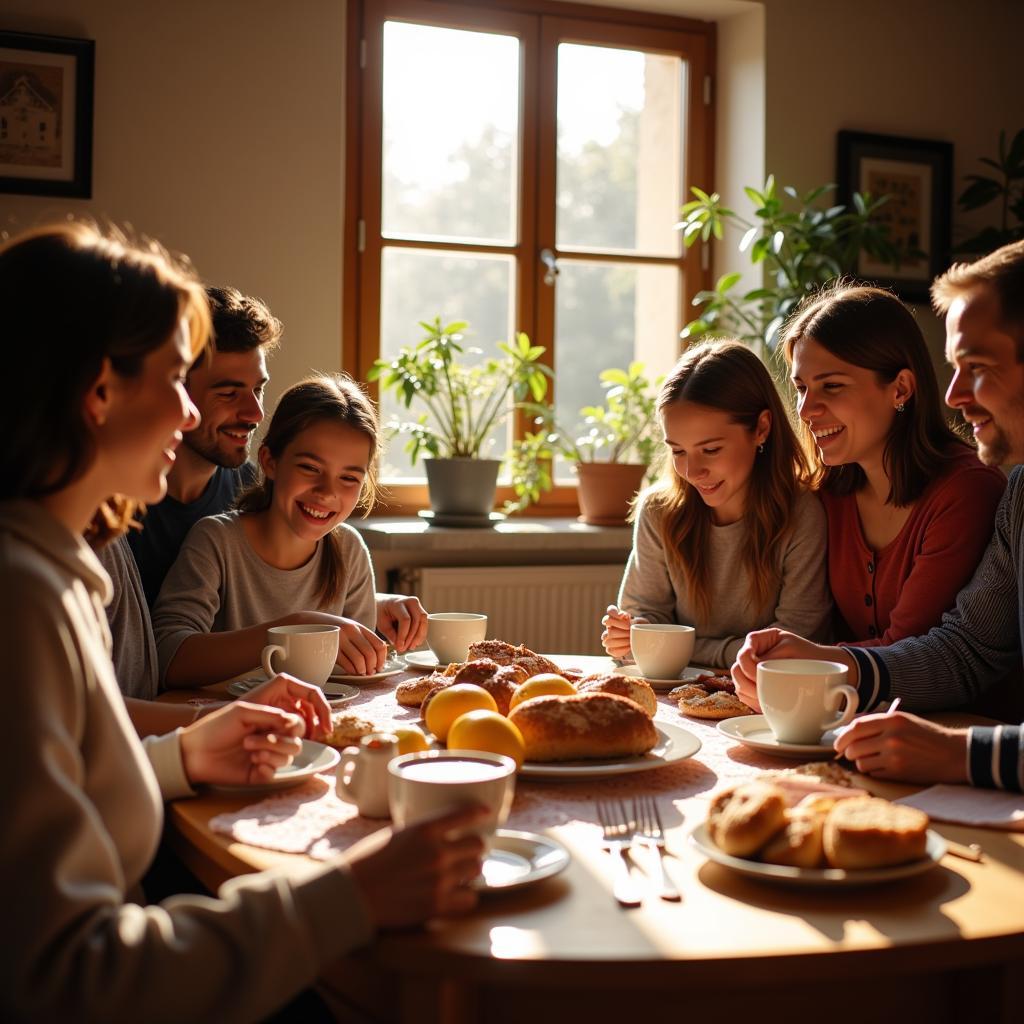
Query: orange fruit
(488,731)
(541,686)
(410,739)
(456,700)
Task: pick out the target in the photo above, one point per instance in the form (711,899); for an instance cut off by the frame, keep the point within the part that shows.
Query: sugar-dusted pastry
(582,726)
(347,729)
(714,706)
(411,692)
(637,690)
(506,654)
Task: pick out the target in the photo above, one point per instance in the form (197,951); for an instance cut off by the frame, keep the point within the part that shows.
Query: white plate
(336,693)
(311,760)
(674,744)
(421,660)
(392,667)
(935,851)
(689,674)
(753,731)
(520,858)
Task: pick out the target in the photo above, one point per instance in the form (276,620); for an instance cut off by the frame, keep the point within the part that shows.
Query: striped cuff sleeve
(873,685)
(995,756)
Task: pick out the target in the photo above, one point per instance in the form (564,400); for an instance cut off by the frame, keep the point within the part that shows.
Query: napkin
(966,805)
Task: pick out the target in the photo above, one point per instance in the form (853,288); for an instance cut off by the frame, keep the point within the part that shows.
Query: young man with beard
(981,639)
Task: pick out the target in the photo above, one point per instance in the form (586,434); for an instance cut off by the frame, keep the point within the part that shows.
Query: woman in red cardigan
(909,506)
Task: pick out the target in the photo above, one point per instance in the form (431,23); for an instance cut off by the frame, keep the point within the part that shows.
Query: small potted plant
(462,403)
(612,448)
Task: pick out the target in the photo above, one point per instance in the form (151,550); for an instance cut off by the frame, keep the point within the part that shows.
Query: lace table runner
(313,820)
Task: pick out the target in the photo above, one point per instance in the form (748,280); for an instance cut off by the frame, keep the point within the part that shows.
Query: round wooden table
(947,945)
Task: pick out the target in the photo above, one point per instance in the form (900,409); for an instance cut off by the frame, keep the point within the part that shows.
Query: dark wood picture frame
(46,99)
(918,176)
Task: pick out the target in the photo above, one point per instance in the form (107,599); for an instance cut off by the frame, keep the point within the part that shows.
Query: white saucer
(688,675)
(423,660)
(392,667)
(461,522)
(336,693)
(829,877)
(313,759)
(516,859)
(753,731)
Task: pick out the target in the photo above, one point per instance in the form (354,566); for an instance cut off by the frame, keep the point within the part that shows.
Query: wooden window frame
(537,23)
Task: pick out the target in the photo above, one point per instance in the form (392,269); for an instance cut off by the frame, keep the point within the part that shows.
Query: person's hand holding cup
(800,698)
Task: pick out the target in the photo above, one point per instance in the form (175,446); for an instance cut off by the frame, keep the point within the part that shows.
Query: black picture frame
(918,176)
(46,101)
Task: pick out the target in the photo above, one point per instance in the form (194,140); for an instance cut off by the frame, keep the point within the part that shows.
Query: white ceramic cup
(362,776)
(449,634)
(429,783)
(661,649)
(800,698)
(308,652)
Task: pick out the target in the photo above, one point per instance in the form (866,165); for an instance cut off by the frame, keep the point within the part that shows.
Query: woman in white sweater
(732,535)
(105,333)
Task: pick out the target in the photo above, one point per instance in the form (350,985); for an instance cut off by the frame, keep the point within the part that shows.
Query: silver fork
(651,833)
(618,835)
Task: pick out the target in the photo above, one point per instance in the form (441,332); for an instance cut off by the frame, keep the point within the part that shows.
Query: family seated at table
(734,540)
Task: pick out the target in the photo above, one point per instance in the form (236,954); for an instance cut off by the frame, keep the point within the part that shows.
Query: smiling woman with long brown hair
(731,535)
(909,506)
(105,333)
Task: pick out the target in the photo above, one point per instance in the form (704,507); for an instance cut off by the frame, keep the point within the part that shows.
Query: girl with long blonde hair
(732,535)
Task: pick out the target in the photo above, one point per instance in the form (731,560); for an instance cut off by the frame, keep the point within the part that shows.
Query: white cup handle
(267,657)
(852,700)
(346,775)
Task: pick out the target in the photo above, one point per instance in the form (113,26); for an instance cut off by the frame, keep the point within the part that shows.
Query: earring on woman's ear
(760,448)
(900,407)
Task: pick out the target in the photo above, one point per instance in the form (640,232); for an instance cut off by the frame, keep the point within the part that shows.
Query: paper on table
(966,805)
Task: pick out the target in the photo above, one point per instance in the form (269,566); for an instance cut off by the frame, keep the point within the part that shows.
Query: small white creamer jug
(362,777)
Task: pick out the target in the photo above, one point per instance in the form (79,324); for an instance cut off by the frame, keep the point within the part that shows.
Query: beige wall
(219,131)
(219,123)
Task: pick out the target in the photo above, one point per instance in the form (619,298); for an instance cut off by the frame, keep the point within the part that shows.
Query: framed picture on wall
(917,175)
(46,115)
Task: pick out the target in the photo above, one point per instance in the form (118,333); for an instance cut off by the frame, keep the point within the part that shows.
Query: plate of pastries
(571,725)
(791,828)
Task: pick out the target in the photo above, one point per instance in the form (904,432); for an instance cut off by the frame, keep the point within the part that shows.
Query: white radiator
(550,608)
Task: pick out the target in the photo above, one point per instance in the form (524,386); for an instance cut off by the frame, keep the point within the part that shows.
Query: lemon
(410,739)
(488,731)
(456,700)
(540,686)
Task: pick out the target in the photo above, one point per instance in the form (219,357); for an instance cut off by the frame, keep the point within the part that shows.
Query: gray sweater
(655,587)
(978,643)
(218,583)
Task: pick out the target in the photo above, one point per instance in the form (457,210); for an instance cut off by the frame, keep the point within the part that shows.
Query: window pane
(451,130)
(607,315)
(419,285)
(620,150)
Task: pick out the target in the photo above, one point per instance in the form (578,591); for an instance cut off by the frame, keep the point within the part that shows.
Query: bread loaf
(581,726)
(637,690)
(873,833)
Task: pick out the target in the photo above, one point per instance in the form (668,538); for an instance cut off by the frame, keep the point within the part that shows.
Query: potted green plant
(801,245)
(611,449)
(463,398)
(1007,188)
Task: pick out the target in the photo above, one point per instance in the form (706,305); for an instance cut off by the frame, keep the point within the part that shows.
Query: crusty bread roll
(500,681)
(507,654)
(799,844)
(411,692)
(637,690)
(583,725)
(742,820)
(873,833)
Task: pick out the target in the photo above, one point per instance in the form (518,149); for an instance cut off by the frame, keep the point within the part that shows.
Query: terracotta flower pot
(462,487)
(606,490)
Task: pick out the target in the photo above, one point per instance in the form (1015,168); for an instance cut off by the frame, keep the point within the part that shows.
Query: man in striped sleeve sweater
(981,639)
